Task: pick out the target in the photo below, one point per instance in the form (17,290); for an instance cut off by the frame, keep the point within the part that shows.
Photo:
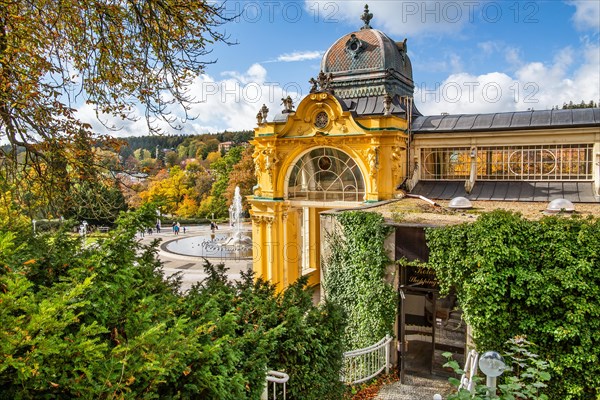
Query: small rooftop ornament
(314,85)
(366,17)
(387,104)
(264,111)
(324,80)
(288,104)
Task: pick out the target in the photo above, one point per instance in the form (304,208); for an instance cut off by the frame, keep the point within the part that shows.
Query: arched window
(326,174)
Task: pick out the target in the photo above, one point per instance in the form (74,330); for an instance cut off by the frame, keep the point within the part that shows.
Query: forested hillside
(151,142)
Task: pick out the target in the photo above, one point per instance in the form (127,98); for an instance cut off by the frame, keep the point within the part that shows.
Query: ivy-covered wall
(541,279)
(354,276)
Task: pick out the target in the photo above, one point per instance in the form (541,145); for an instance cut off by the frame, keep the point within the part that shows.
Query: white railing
(363,364)
(275,377)
(470,370)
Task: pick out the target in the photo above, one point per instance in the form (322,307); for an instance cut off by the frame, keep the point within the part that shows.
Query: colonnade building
(357,139)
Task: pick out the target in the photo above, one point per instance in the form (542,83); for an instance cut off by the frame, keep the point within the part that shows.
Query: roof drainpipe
(470,183)
(418,196)
(597,169)
(408,102)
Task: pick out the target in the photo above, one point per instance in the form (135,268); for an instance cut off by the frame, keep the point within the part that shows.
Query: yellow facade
(377,144)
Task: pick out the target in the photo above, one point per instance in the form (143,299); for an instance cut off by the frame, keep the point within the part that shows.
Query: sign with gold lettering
(421,277)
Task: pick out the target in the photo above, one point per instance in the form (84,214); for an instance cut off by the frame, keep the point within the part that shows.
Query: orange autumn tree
(242,175)
(111,56)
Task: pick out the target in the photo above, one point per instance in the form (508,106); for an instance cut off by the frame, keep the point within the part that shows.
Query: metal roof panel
(586,192)
(583,116)
(437,189)
(527,191)
(500,191)
(519,191)
(540,191)
(465,122)
(562,117)
(432,123)
(361,105)
(571,191)
(513,191)
(502,120)
(521,119)
(541,118)
(448,122)
(371,105)
(487,190)
(483,121)
(451,189)
(417,123)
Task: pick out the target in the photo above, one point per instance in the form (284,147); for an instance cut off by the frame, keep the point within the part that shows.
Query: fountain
(237,240)
(234,245)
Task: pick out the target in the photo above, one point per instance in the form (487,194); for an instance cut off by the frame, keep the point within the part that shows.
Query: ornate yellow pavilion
(356,138)
(344,145)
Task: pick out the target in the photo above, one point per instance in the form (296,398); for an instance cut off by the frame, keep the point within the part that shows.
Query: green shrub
(524,377)
(541,278)
(102,322)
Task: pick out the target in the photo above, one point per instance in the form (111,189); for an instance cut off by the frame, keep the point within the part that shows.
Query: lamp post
(492,365)
(33,221)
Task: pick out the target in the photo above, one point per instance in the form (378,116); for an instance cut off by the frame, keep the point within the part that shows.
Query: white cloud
(489,47)
(401,17)
(532,85)
(113,125)
(256,73)
(300,56)
(230,103)
(587,14)
(513,56)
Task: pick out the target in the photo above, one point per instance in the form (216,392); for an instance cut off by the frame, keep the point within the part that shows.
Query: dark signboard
(420,277)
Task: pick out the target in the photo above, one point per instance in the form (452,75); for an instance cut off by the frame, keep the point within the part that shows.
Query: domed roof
(366,50)
(366,63)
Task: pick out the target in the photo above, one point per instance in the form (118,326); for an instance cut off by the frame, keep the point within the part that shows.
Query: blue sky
(467,56)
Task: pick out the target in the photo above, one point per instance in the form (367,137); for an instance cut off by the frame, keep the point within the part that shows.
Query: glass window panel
(551,162)
(326,174)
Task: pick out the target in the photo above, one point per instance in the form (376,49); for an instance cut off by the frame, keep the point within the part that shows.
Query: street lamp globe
(492,364)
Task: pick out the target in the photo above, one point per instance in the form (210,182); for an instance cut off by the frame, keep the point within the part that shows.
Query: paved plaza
(191,267)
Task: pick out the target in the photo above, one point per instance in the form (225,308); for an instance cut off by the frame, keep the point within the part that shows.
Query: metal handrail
(275,377)
(366,363)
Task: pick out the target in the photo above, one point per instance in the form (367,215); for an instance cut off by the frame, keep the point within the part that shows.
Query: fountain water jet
(232,245)
(237,241)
